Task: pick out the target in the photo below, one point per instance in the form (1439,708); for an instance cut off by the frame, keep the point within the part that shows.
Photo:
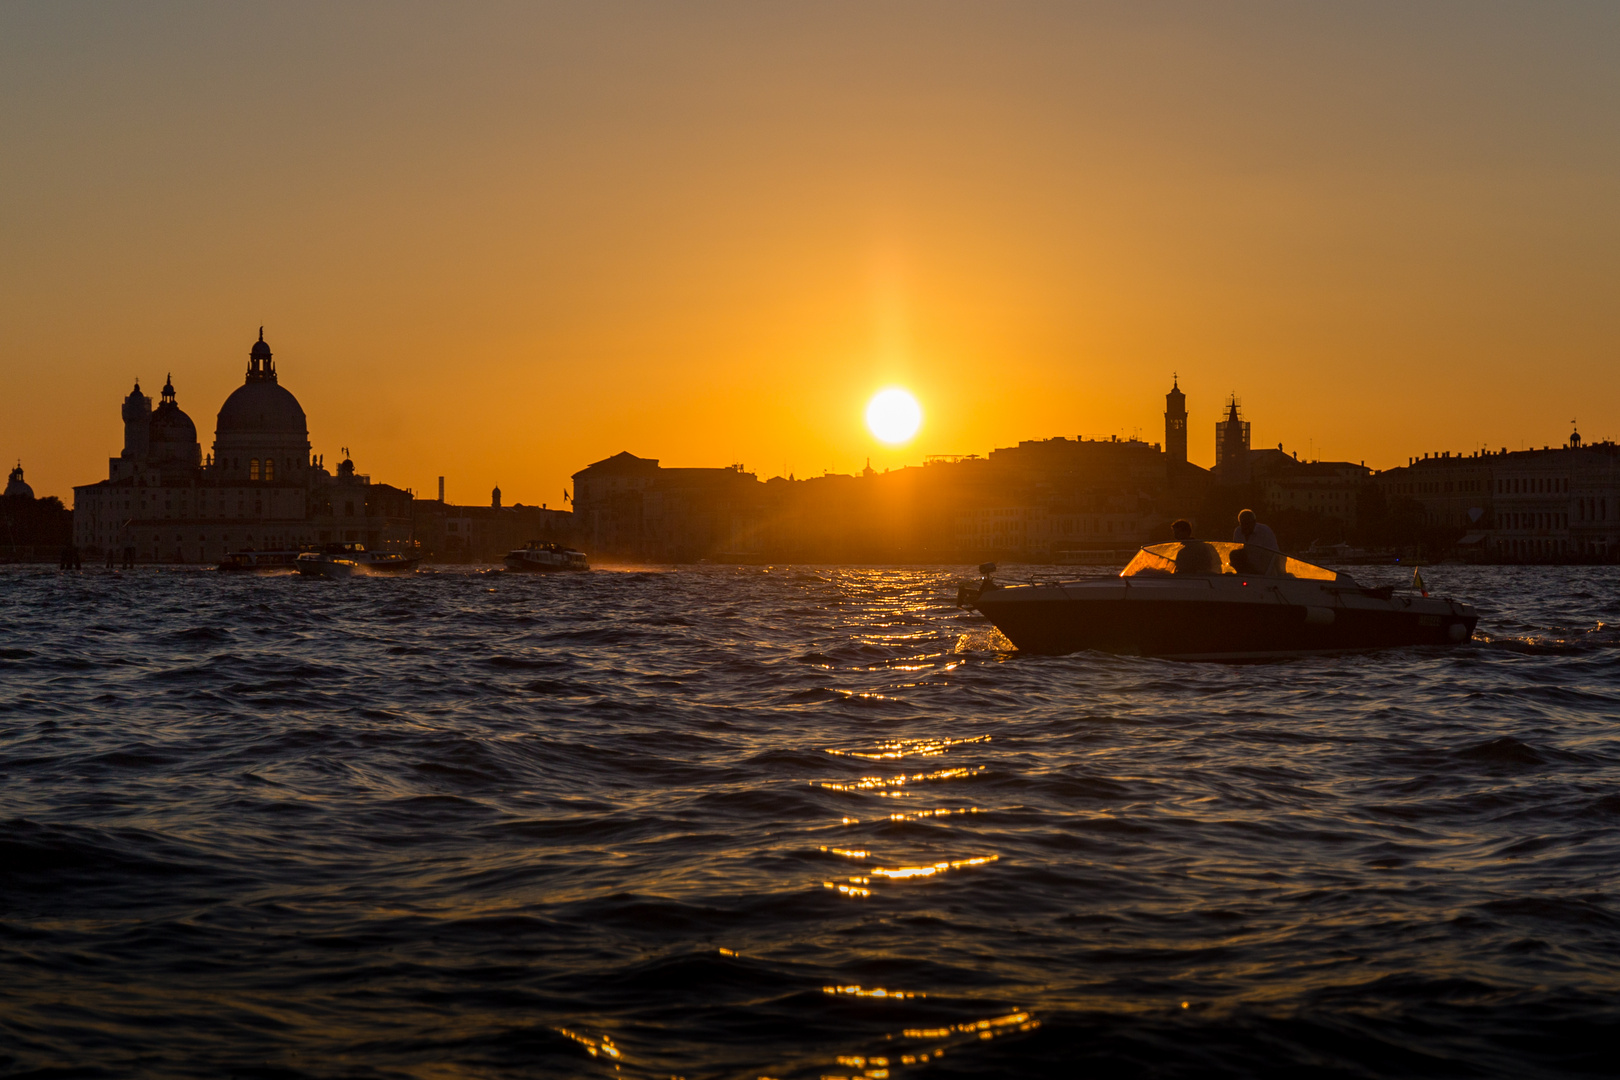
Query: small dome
(171,436)
(15,488)
(260,350)
(171,427)
(262,408)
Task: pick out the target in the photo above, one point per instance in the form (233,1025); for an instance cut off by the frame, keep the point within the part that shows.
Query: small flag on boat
(1417,581)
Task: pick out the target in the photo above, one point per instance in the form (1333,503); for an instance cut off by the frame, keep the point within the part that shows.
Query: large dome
(262,408)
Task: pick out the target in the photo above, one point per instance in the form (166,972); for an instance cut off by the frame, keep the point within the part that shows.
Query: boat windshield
(1214,557)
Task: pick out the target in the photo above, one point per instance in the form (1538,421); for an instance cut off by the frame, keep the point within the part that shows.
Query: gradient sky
(497,242)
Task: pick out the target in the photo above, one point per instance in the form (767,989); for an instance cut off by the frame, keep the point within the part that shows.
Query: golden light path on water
(937,1040)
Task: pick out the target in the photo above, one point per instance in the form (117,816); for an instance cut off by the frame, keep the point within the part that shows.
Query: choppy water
(789,823)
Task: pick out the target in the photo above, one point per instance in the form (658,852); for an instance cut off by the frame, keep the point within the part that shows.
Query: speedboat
(538,558)
(347,560)
(1200,600)
(259,562)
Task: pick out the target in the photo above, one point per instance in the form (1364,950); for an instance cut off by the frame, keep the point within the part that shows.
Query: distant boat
(538,558)
(348,560)
(1216,601)
(260,562)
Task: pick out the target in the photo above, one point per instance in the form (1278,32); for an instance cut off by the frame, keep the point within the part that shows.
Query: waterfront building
(1331,489)
(1555,504)
(1453,489)
(31,529)
(1039,500)
(632,508)
(259,488)
(467,534)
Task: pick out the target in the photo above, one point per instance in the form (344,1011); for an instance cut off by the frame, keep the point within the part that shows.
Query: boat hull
(524,566)
(1135,621)
(259,562)
(342,568)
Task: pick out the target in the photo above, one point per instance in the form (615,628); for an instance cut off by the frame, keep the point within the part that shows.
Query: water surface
(789,822)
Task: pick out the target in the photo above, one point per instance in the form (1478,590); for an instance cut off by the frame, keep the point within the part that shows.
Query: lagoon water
(789,822)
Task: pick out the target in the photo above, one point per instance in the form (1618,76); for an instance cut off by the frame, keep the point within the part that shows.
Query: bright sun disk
(893,415)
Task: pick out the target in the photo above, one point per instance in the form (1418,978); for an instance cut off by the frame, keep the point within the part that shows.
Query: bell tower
(1232,446)
(1175,424)
(137,424)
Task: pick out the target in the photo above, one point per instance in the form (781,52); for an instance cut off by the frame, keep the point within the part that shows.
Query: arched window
(253,469)
(269,468)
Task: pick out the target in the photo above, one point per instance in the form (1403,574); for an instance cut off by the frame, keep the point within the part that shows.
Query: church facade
(260,487)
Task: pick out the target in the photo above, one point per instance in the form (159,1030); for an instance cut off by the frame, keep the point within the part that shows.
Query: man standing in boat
(1250,531)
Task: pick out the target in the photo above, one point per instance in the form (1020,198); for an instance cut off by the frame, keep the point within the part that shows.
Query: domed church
(259,489)
(261,434)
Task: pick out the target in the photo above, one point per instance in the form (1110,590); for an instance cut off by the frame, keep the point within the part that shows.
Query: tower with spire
(1175,424)
(1232,446)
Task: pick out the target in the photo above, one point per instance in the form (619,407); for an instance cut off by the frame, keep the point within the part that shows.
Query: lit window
(253,469)
(269,468)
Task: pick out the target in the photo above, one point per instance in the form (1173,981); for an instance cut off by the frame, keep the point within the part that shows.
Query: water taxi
(350,559)
(537,558)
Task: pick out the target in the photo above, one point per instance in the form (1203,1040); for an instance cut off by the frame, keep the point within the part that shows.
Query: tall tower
(137,424)
(1175,424)
(1232,446)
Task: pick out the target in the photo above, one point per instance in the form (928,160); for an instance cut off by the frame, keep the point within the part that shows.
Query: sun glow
(893,415)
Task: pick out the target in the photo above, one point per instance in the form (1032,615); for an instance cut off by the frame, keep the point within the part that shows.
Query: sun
(893,415)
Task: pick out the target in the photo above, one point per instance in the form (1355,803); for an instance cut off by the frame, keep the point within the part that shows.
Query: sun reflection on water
(602,1047)
(874,992)
(899,748)
(936,868)
(876,783)
(870,1067)
(918,815)
(848,890)
(864,1067)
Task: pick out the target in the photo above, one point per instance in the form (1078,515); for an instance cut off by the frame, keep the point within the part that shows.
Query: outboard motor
(966,594)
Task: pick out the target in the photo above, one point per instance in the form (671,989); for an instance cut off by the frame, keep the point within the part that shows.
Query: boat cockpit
(1212,557)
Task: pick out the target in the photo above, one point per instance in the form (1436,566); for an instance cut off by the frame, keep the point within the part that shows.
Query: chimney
(441,489)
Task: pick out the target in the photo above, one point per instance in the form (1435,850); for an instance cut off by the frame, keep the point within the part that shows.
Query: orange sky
(498,242)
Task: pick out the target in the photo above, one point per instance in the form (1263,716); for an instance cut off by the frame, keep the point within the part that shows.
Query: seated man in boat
(1250,531)
(1253,559)
(1195,556)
